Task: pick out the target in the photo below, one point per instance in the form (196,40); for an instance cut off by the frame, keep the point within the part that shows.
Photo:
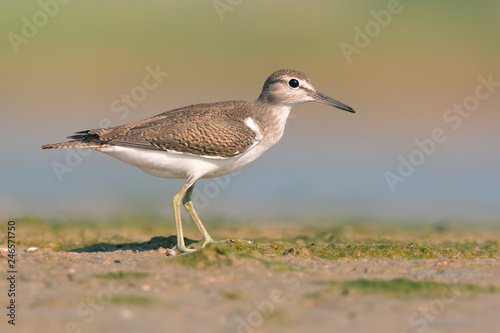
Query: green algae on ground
(218,255)
(317,247)
(265,248)
(330,240)
(122,275)
(405,288)
(278,317)
(233,295)
(405,250)
(214,255)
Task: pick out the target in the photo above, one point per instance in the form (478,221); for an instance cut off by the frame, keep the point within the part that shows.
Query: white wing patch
(255,128)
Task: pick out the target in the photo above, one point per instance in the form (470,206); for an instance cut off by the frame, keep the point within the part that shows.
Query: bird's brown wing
(212,130)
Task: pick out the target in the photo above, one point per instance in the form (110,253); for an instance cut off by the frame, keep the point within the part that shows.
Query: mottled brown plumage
(209,129)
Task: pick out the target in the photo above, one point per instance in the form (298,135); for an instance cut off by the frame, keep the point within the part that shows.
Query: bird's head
(291,87)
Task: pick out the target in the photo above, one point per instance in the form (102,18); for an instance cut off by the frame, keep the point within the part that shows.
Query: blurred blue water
(293,179)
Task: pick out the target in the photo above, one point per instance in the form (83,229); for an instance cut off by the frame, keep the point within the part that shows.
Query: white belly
(181,166)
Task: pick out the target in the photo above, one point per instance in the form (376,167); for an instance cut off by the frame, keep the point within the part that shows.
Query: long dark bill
(320,97)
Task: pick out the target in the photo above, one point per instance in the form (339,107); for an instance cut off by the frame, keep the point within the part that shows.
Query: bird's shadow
(153,244)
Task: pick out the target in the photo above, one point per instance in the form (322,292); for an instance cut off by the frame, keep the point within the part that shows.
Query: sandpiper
(204,140)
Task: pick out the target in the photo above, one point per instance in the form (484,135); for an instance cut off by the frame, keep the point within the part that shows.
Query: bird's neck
(273,117)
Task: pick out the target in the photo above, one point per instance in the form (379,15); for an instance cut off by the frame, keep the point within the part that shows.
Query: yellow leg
(184,196)
(188,204)
(176,203)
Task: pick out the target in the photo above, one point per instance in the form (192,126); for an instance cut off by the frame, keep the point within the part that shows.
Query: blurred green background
(68,73)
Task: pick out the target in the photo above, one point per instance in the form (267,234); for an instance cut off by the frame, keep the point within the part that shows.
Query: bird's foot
(228,241)
(183,249)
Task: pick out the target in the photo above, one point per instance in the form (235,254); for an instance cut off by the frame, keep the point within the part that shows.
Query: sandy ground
(67,291)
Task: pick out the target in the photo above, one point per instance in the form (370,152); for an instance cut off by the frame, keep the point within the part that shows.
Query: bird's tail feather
(71,144)
(82,139)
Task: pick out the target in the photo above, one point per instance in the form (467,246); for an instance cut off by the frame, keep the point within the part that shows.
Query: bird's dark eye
(293,83)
